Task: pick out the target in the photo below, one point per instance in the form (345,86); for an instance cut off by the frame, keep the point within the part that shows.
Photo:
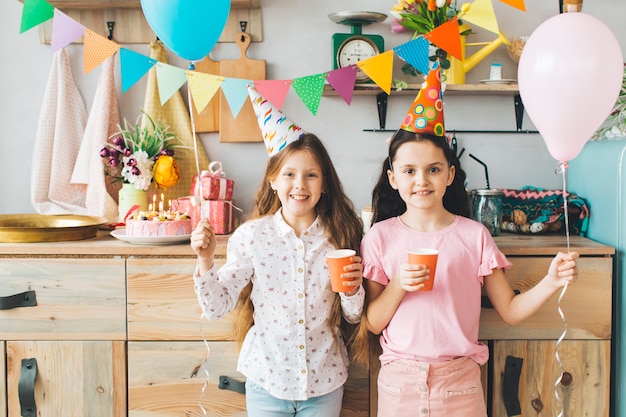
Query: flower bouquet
(421,17)
(139,155)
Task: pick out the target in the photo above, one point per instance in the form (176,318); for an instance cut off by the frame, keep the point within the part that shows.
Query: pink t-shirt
(442,324)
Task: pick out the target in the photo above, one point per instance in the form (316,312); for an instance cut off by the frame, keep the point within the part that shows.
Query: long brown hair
(344,228)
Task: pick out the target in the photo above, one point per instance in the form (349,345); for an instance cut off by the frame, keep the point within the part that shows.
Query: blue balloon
(190,28)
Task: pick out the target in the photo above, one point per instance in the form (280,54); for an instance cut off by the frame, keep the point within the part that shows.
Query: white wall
(297,43)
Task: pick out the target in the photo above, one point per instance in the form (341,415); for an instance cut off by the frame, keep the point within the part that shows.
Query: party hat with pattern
(426,112)
(277,130)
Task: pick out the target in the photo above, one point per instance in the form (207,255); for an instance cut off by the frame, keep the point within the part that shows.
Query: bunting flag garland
(65,30)
(379,68)
(236,92)
(169,80)
(34,13)
(97,50)
(203,87)
(481,14)
(415,52)
(133,66)
(446,37)
(518,4)
(343,80)
(274,91)
(310,90)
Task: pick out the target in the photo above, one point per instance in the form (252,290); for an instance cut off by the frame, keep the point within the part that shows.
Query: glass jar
(486,207)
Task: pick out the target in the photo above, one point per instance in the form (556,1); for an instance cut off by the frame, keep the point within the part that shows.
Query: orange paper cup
(428,257)
(336,260)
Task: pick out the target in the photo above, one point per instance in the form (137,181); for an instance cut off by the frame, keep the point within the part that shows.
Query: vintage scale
(349,48)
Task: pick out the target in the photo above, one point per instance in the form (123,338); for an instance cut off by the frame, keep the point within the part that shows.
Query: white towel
(59,133)
(103,122)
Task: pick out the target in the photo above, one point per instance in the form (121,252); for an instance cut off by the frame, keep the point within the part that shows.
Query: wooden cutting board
(209,119)
(244,128)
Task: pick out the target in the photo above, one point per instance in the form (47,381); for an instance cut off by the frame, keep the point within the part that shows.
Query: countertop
(105,245)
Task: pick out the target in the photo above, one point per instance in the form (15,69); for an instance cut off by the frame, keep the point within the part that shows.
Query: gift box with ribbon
(213,184)
(221,215)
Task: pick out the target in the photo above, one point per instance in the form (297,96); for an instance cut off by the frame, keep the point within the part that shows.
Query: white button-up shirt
(290,351)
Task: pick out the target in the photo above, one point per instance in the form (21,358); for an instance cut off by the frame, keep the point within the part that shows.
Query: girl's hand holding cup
(346,271)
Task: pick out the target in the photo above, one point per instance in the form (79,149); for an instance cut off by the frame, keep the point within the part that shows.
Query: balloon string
(205,369)
(563,171)
(196,198)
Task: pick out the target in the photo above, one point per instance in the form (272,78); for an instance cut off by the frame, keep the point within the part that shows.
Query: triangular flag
(447,37)
(169,80)
(65,30)
(481,14)
(275,91)
(203,87)
(97,48)
(133,66)
(379,68)
(342,80)
(518,4)
(236,92)
(34,13)
(415,52)
(310,89)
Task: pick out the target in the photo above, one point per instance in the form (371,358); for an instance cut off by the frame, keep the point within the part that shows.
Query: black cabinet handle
(510,385)
(229,383)
(25,299)
(26,388)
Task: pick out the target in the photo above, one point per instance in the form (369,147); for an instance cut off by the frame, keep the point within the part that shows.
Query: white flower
(440,3)
(143,164)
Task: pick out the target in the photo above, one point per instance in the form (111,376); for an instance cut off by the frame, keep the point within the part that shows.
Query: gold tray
(21,228)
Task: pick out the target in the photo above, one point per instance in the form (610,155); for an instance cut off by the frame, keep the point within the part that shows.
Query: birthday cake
(158,224)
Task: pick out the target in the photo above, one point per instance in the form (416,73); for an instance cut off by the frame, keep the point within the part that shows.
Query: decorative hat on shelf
(276,128)
(426,112)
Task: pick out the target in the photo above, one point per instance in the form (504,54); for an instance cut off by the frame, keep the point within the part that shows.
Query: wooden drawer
(77,299)
(73,378)
(584,389)
(168,379)
(162,303)
(586,304)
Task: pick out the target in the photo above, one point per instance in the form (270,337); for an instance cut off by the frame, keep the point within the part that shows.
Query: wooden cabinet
(117,331)
(584,352)
(74,336)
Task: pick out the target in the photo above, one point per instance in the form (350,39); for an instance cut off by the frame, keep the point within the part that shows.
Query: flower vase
(129,196)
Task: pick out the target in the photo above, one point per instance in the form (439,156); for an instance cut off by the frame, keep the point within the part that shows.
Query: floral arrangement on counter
(615,125)
(139,155)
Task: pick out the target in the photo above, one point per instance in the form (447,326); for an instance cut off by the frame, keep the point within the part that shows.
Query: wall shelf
(132,27)
(452,89)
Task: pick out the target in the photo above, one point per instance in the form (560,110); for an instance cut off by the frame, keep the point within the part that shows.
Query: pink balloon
(570,74)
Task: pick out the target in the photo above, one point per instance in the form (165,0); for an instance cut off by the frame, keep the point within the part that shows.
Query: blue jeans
(261,404)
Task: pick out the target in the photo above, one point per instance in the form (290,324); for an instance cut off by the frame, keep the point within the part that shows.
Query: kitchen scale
(350,48)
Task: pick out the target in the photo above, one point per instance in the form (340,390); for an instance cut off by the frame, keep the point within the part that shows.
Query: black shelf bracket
(381,105)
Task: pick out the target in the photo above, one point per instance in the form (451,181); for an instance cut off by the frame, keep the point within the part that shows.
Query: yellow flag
(203,87)
(379,68)
(481,14)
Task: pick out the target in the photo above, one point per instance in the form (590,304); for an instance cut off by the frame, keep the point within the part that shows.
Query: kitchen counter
(104,245)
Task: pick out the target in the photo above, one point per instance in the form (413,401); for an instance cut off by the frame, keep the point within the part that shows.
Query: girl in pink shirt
(431,356)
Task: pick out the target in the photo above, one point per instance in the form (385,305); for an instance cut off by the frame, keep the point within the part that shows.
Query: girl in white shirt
(293,353)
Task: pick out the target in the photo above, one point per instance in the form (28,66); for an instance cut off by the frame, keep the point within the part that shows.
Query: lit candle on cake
(161,204)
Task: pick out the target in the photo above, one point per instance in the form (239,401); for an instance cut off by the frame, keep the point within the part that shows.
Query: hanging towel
(59,133)
(103,122)
(175,114)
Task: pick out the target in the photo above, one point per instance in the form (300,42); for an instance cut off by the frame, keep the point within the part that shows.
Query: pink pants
(417,389)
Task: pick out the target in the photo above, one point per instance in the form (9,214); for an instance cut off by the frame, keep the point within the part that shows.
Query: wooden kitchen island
(117,331)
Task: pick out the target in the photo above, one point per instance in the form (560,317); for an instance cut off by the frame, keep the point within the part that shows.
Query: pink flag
(342,80)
